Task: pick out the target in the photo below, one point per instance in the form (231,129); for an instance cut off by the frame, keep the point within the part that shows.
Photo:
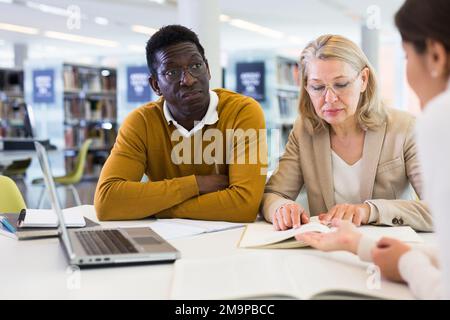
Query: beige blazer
(389,163)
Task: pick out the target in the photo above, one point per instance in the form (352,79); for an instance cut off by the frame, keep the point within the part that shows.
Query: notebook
(263,235)
(46,218)
(303,275)
(28,233)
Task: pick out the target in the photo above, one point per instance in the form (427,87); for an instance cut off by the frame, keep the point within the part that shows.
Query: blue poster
(44,86)
(250,79)
(138,88)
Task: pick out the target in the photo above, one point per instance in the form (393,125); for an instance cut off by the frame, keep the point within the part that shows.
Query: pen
(21,218)
(7,225)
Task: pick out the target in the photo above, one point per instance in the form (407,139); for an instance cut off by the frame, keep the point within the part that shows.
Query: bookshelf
(13,110)
(81,104)
(279,92)
(90,111)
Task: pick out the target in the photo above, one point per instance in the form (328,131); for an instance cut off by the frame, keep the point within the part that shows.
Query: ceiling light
(158,1)
(225,18)
(17,28)
(242,24)
(101,21)
(6,1)
(143,29)
(48,9)
(82,39)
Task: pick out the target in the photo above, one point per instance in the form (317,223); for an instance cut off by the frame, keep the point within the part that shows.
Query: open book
(304,275)
(263,235)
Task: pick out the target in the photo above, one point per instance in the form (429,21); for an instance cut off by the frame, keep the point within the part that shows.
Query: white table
(38,269)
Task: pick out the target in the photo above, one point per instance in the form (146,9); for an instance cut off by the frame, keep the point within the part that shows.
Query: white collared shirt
(210,117)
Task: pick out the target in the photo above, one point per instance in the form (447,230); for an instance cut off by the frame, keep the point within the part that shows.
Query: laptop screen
(50,185)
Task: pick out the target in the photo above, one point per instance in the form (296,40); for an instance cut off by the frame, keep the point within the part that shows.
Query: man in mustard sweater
(204,151)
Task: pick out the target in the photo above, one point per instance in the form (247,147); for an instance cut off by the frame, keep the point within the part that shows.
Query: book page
(240,276)
(405,233)
(340,275)
(306,274)
(73,217)
(262,234)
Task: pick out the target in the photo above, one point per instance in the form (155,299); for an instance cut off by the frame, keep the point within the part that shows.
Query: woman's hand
(288,216)
(356,213)
(346,238)
(386,255)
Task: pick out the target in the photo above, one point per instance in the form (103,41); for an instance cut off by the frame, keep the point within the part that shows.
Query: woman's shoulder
(399,119)
(303,127)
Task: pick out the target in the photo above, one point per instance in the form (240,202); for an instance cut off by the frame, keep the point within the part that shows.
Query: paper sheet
(178,228)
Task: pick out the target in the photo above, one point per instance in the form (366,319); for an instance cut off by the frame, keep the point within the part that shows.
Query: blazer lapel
(373,144)
(322,153)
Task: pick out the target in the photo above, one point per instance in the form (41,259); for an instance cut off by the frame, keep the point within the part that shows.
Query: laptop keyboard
(103,242)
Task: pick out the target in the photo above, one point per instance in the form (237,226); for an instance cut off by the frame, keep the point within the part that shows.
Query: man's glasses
(339,88)
(195,69)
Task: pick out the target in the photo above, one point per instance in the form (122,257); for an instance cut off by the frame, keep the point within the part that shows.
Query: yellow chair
(17,169)
(11,200)
(69,180)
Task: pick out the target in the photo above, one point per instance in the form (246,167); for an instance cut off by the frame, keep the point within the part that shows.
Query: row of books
(287,103)
(102,138)
(89,79)
(287,73)
(12,118)
(89,109)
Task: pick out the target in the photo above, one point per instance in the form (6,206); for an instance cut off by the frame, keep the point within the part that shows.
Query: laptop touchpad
(145,241)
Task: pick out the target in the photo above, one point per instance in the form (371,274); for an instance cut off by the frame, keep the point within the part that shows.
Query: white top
(210,117)
(433,140)
(419,266)
(346,180)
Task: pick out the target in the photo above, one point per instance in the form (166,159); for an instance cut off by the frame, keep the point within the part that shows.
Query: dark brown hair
(419,20)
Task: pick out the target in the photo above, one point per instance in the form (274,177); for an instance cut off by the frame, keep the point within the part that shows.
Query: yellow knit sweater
(144,145)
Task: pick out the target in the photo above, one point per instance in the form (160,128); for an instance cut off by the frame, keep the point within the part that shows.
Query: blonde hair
(370,112)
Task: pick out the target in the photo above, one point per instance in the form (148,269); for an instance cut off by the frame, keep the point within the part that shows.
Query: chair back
(11,200)
(80,162)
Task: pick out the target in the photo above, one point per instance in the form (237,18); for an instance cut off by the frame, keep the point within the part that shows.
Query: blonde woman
(355,157)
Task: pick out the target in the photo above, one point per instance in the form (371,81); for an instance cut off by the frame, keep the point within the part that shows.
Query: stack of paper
(178,228)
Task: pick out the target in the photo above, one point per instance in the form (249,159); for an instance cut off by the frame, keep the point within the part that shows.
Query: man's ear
(155,85)
(207,68)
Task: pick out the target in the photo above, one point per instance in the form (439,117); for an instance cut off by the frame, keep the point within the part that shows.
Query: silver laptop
(105,246)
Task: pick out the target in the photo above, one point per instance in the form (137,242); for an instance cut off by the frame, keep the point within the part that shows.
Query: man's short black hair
(167,36)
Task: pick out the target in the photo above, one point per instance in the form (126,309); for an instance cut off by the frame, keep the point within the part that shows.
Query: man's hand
(386,256)
(346,238)
(212,183)
(288,216)
(356,213)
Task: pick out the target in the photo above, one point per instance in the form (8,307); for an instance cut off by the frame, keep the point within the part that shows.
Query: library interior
(74,76)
